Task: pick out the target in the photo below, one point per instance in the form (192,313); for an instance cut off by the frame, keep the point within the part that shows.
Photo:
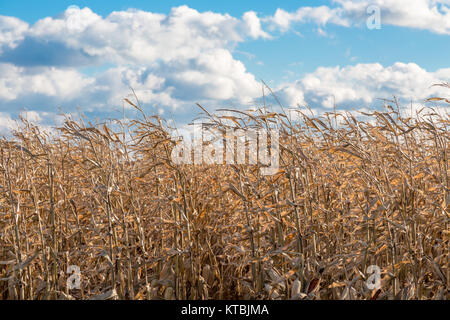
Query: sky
(85,57)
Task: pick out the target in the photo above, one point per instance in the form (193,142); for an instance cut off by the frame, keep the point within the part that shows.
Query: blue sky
(32,11)
(83,56)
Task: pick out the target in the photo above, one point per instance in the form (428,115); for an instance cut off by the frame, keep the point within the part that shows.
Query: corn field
(352,191)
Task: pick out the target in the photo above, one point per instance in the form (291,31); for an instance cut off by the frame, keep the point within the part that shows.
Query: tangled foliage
(350,192)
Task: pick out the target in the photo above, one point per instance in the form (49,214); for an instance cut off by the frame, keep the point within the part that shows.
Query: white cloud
(11,31)
(170,60)
(254,26)
(33,116)
(318,15)
(175,60)
(135,36)
(217,75)
(6,123)
(19,81)
(362,84)
(46,121)
(432,15)
(212,77)
(292,95)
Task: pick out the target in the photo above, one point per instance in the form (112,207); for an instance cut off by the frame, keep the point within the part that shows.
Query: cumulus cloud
(362,84)
(186,56)
(432,15)
(211,76)
(45,120)
(254,26)
(11,31)
(318,15)
(169,60)
(19,81)
(6,123)
(134,36)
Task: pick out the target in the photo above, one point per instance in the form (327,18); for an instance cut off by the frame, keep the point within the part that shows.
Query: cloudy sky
(84,56)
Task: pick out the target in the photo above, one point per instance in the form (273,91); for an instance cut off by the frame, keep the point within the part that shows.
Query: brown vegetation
(350,193)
